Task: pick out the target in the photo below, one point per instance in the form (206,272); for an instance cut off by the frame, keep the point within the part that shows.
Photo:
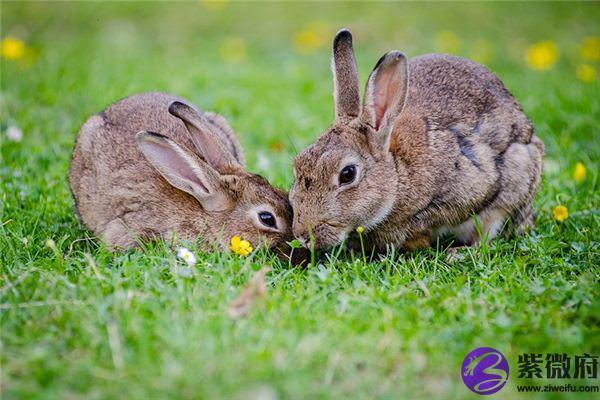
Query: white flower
(263,161)
(15,134)
(187,256)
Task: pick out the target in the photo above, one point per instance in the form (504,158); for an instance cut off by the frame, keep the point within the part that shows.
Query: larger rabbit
(440,147)
(183,176)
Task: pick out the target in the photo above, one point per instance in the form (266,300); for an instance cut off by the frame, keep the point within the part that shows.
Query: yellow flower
(360,230)
(586,73)
(12,48)
(214,5)
(447,42)
(590,49)
(560,213)
(240,247)
(313,37)
(579,173)
(276,146)
(233,50)
(542,56)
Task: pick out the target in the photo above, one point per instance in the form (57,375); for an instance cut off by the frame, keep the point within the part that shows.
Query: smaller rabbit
(439,148)
(151,166)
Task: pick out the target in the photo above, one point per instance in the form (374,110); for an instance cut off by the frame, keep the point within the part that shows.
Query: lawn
(80,322)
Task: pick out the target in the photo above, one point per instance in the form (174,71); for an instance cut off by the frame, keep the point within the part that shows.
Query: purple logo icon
(484,370)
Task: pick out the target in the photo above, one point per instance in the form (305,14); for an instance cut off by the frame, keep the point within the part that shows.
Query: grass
(80,322)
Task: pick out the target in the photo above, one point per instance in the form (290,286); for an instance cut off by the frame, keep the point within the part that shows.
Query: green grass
(396,328)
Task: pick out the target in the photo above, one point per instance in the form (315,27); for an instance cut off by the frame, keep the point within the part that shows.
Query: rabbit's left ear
(385,95)
(205,139)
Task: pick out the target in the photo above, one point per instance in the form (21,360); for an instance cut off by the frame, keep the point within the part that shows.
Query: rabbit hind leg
(521,171)
(511,212)
(117,236)
(485,225)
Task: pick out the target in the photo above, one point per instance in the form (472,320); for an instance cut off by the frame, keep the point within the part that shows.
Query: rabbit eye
(267,219)
(348,174)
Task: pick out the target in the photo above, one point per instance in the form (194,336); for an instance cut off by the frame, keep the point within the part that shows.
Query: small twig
(255,289)
(116,349)
(332,364)
(92,263)
(84,239)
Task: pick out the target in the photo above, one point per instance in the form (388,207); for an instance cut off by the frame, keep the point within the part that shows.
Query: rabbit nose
(301,228)
(303,241)
(301,234)
(303,238)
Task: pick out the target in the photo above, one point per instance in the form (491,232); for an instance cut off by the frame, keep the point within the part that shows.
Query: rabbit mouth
(324,235)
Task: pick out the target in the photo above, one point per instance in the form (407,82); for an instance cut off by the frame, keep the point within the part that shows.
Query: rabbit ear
(385,94)
(183,170)
(346,94)
(205,140)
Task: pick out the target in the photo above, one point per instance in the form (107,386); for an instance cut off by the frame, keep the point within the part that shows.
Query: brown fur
(123,198)
(458,146)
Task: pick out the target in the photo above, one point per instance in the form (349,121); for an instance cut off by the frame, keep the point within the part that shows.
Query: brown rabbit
(182,175)
(439,140)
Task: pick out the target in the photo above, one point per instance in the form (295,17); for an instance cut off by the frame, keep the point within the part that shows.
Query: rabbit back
(450,91)
(117,193)
(484,156)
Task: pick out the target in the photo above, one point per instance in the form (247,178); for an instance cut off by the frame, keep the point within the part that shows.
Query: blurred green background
(342,329)
(265,66)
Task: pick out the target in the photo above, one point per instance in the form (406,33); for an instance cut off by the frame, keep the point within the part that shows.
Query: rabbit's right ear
(183,170)
(205,140)
(346,86)
(385,95)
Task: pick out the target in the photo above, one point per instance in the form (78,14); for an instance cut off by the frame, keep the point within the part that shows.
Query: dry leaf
(255,289)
